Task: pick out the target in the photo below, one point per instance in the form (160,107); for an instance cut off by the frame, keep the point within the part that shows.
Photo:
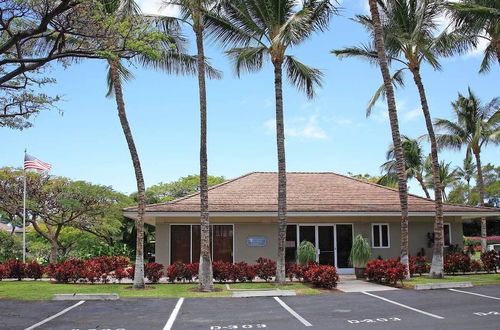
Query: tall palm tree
(467,172)
(476,125)
(166,57)
(410,37)
(265,30)
(414,161)
(396,137)
(193,13)
(480,19)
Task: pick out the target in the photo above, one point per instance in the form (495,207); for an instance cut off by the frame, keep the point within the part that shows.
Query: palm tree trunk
(420,180)
(205,268)
(396,137)
(437,256)
(120,104)
(480,187)
(280,140)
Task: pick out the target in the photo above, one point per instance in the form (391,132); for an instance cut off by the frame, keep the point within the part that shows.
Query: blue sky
(330,133)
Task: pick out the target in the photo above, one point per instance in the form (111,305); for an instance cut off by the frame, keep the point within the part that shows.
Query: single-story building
(327,209)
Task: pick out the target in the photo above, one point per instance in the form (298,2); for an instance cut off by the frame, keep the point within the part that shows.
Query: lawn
(475,279)
(300,288)
(43,290)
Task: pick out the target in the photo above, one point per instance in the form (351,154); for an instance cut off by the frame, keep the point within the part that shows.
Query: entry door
(326,245)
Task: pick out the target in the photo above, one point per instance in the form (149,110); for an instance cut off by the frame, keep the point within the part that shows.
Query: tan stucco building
(327,209)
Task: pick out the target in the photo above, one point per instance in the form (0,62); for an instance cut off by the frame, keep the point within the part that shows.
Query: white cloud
(156,7)
(305,128)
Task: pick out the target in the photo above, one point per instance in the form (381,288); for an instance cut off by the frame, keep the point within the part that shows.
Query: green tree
(447,176)
(475,126)
(10,246)
(410,38)
(467,172)
(479,19)
(266,30)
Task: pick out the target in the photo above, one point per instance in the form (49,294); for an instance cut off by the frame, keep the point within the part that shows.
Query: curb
(446,285)
(268,293)
(86,296)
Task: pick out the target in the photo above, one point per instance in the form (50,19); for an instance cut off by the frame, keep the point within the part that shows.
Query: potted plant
(306,253)
(361,253)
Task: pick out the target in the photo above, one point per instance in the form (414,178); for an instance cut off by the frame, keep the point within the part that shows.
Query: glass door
(326,245)
(344,244)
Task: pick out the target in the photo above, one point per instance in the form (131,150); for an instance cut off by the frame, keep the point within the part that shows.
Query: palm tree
(265,30)
(479,19)
(476,125)
(467,172)
(447,176)
(409,28)
(164,56)
(193,13)
(414,161)
(396,138)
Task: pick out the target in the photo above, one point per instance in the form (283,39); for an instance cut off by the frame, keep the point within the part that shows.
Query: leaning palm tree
(193,13)
(396,137)
(414,161)
(265,30)
(479,19)
(410,37)
(158,53)
(476,125)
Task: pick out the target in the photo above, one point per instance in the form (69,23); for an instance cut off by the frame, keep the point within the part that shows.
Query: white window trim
(449,234)
(380,236)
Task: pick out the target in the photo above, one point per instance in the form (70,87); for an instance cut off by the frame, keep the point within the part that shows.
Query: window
(447,234)
(380,235)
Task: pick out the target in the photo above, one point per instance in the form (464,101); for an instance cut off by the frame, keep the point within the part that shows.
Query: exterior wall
(266,226)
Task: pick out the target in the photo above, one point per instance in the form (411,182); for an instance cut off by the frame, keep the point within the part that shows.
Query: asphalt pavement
(471,308)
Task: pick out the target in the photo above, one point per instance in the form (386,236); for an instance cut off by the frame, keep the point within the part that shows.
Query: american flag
(32,163)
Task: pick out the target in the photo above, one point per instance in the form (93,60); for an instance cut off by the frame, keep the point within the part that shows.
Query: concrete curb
(264,293)
(444,285)
(86,296)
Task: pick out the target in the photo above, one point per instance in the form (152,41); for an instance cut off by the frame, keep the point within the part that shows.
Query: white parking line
(55,315)
(475,294)
(173,316)
(404,306)
(294,313)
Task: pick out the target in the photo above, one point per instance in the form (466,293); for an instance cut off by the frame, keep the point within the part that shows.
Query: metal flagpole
(24,212)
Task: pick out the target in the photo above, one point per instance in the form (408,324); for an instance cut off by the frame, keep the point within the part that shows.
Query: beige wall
(266,226)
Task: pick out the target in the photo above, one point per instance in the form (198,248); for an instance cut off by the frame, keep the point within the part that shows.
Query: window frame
(449,235)
(380,236)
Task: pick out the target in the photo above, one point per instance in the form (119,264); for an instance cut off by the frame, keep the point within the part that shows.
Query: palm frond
(489,57)
(125,75)
(304,77)
(364,51)
(249,59)
(397,81)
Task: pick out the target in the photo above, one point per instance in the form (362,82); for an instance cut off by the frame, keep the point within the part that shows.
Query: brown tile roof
(306,192)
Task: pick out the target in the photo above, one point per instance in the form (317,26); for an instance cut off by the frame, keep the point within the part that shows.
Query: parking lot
(472,308)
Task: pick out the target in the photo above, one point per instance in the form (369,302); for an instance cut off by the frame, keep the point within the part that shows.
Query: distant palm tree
(193,13)
(265,30)
(396,137)
(476,125)
(480,19)
(467,172)
(414,161)
(447,175)
(410,38)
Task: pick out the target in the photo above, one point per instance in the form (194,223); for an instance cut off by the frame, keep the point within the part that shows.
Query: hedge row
(388,271)
(460,262)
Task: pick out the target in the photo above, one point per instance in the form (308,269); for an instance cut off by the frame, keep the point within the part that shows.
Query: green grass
(476,279)
(43,290)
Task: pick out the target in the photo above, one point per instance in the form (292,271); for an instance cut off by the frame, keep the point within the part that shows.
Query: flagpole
(24,212)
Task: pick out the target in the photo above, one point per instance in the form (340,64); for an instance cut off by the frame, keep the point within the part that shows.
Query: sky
(83,140)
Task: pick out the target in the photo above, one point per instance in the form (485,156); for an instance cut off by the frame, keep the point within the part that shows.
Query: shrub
(361,252)
(94,270)
(16,268)
(176,271)
(490,260)
(222,271)
(457,262)
(266,269)
(34,270)
(476,266)
(131,272)
(192,270)
(153,271)
(418,265)
(322,276)
(388,271)
(305,253)
(4,271)
(119,274)
(295,271)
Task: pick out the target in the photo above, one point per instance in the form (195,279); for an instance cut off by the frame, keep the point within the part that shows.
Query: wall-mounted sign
(256,241)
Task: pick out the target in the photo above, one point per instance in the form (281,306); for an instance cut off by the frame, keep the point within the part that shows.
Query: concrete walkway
(349,283)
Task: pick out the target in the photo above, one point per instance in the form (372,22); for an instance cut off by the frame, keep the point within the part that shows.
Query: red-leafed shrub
(418,265)
(250,273)
(176,272)
(192,271)
(295,271)
(119,274)
(222,271)
(16,268)
(266,269)
(94,271)
(322,276)
(490,260)
(476,266)
(153,271)
(131,272)
(34,270)
(4,271)
(388,271)
(457,262)
(242,272)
